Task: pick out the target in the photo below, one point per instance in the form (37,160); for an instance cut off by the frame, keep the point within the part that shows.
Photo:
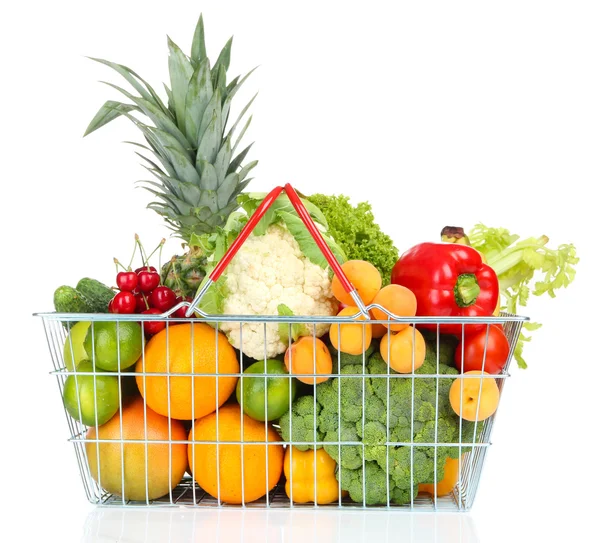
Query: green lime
(117,345)
(74,351)
(79,394)
(278,390)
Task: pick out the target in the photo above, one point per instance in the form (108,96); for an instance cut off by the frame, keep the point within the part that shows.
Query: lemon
(116,345)
(73,351)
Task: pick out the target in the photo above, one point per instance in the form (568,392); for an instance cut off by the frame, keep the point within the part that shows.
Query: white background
(437,113)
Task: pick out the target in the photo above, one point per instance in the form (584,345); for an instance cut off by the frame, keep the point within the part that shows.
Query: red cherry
(162,298)
(145,268)
(127,280)
(148,281)
(180,313)
(123,302)
(152,327)
(141,301)
(110,304)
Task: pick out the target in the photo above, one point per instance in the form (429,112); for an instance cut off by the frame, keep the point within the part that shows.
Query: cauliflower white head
(269,270)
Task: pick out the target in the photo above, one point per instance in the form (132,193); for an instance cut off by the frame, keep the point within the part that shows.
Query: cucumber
(96,293)
(69,300)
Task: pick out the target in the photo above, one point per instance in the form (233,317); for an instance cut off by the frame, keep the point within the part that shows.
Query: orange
(158,390)
(262,464)
(134,459)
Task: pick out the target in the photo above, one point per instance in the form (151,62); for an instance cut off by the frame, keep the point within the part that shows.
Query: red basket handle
(249,227)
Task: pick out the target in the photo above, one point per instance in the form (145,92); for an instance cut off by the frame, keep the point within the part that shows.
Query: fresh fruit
(309,355)
(69,300)
(180,313)
(365,278)
(116,345)
(162,298)
(91,395)
(141,303)
(447,484)
(351,338)
(483,350)
(153,327)
(202,171)
(222,478)
(377,330)
(74,351)
(96,293)
(158,389)
(124,302)
(164,463)
(148,281)
(145,268)
(281,391)
(403,349)
(399,301)
(127,280)
(475,397)
(299,468)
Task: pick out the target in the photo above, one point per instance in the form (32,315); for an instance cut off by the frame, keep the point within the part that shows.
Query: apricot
(480,395)
(399,353)
(365,278)
(377,330)
(351,338)
(310,356)
(447,484)
(399,301)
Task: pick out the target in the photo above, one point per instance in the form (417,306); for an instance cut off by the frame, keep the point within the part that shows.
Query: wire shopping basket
(192,427)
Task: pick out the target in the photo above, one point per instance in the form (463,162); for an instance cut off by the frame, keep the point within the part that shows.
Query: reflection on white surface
(175,525)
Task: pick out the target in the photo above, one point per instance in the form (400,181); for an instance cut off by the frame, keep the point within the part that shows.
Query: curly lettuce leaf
(296,329)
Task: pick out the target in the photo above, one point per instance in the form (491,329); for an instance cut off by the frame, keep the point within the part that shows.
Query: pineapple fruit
(197,173)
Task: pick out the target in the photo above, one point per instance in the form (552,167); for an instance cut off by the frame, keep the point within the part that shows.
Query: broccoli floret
(373,421)
(302,417)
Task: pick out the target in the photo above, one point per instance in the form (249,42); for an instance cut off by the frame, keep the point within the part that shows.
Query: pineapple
(197,173)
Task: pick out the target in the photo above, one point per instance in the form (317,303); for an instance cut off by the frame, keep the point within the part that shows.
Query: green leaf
(224,56)
(239,119)
(247,168)
(144,88)
(212,112)
(237,161)
(108,112)
(213,300)
(227,189)
(156,115)
(230,93)
(223,160)
(297,329)
(197,99)
(208,177)
(209,143)
(180,73)
(198,45)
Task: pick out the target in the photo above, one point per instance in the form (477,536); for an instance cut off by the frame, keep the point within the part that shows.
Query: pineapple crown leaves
(197,173)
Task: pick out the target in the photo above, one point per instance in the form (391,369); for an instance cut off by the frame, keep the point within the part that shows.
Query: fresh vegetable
(96,293)
(365,278)
(485,350)
(278,264)
(303,469)
(382,425)
(250,390)
(308,356)
(355,230)
(197,171)
(474,396)
(448,280)
(70,300)
(91,399)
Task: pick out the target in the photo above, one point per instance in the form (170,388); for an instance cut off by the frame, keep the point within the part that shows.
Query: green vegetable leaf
(296,329)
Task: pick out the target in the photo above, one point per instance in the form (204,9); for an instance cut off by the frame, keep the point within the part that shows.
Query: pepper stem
(466,290)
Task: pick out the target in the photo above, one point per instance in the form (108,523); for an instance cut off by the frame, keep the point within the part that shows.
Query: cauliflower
(270,270)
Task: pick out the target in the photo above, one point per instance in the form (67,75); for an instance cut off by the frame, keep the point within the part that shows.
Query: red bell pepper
(448,280)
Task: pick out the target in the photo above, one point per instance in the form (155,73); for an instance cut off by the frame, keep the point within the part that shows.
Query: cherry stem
(144,257)
(133,255)
(159,246)
(117,264)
